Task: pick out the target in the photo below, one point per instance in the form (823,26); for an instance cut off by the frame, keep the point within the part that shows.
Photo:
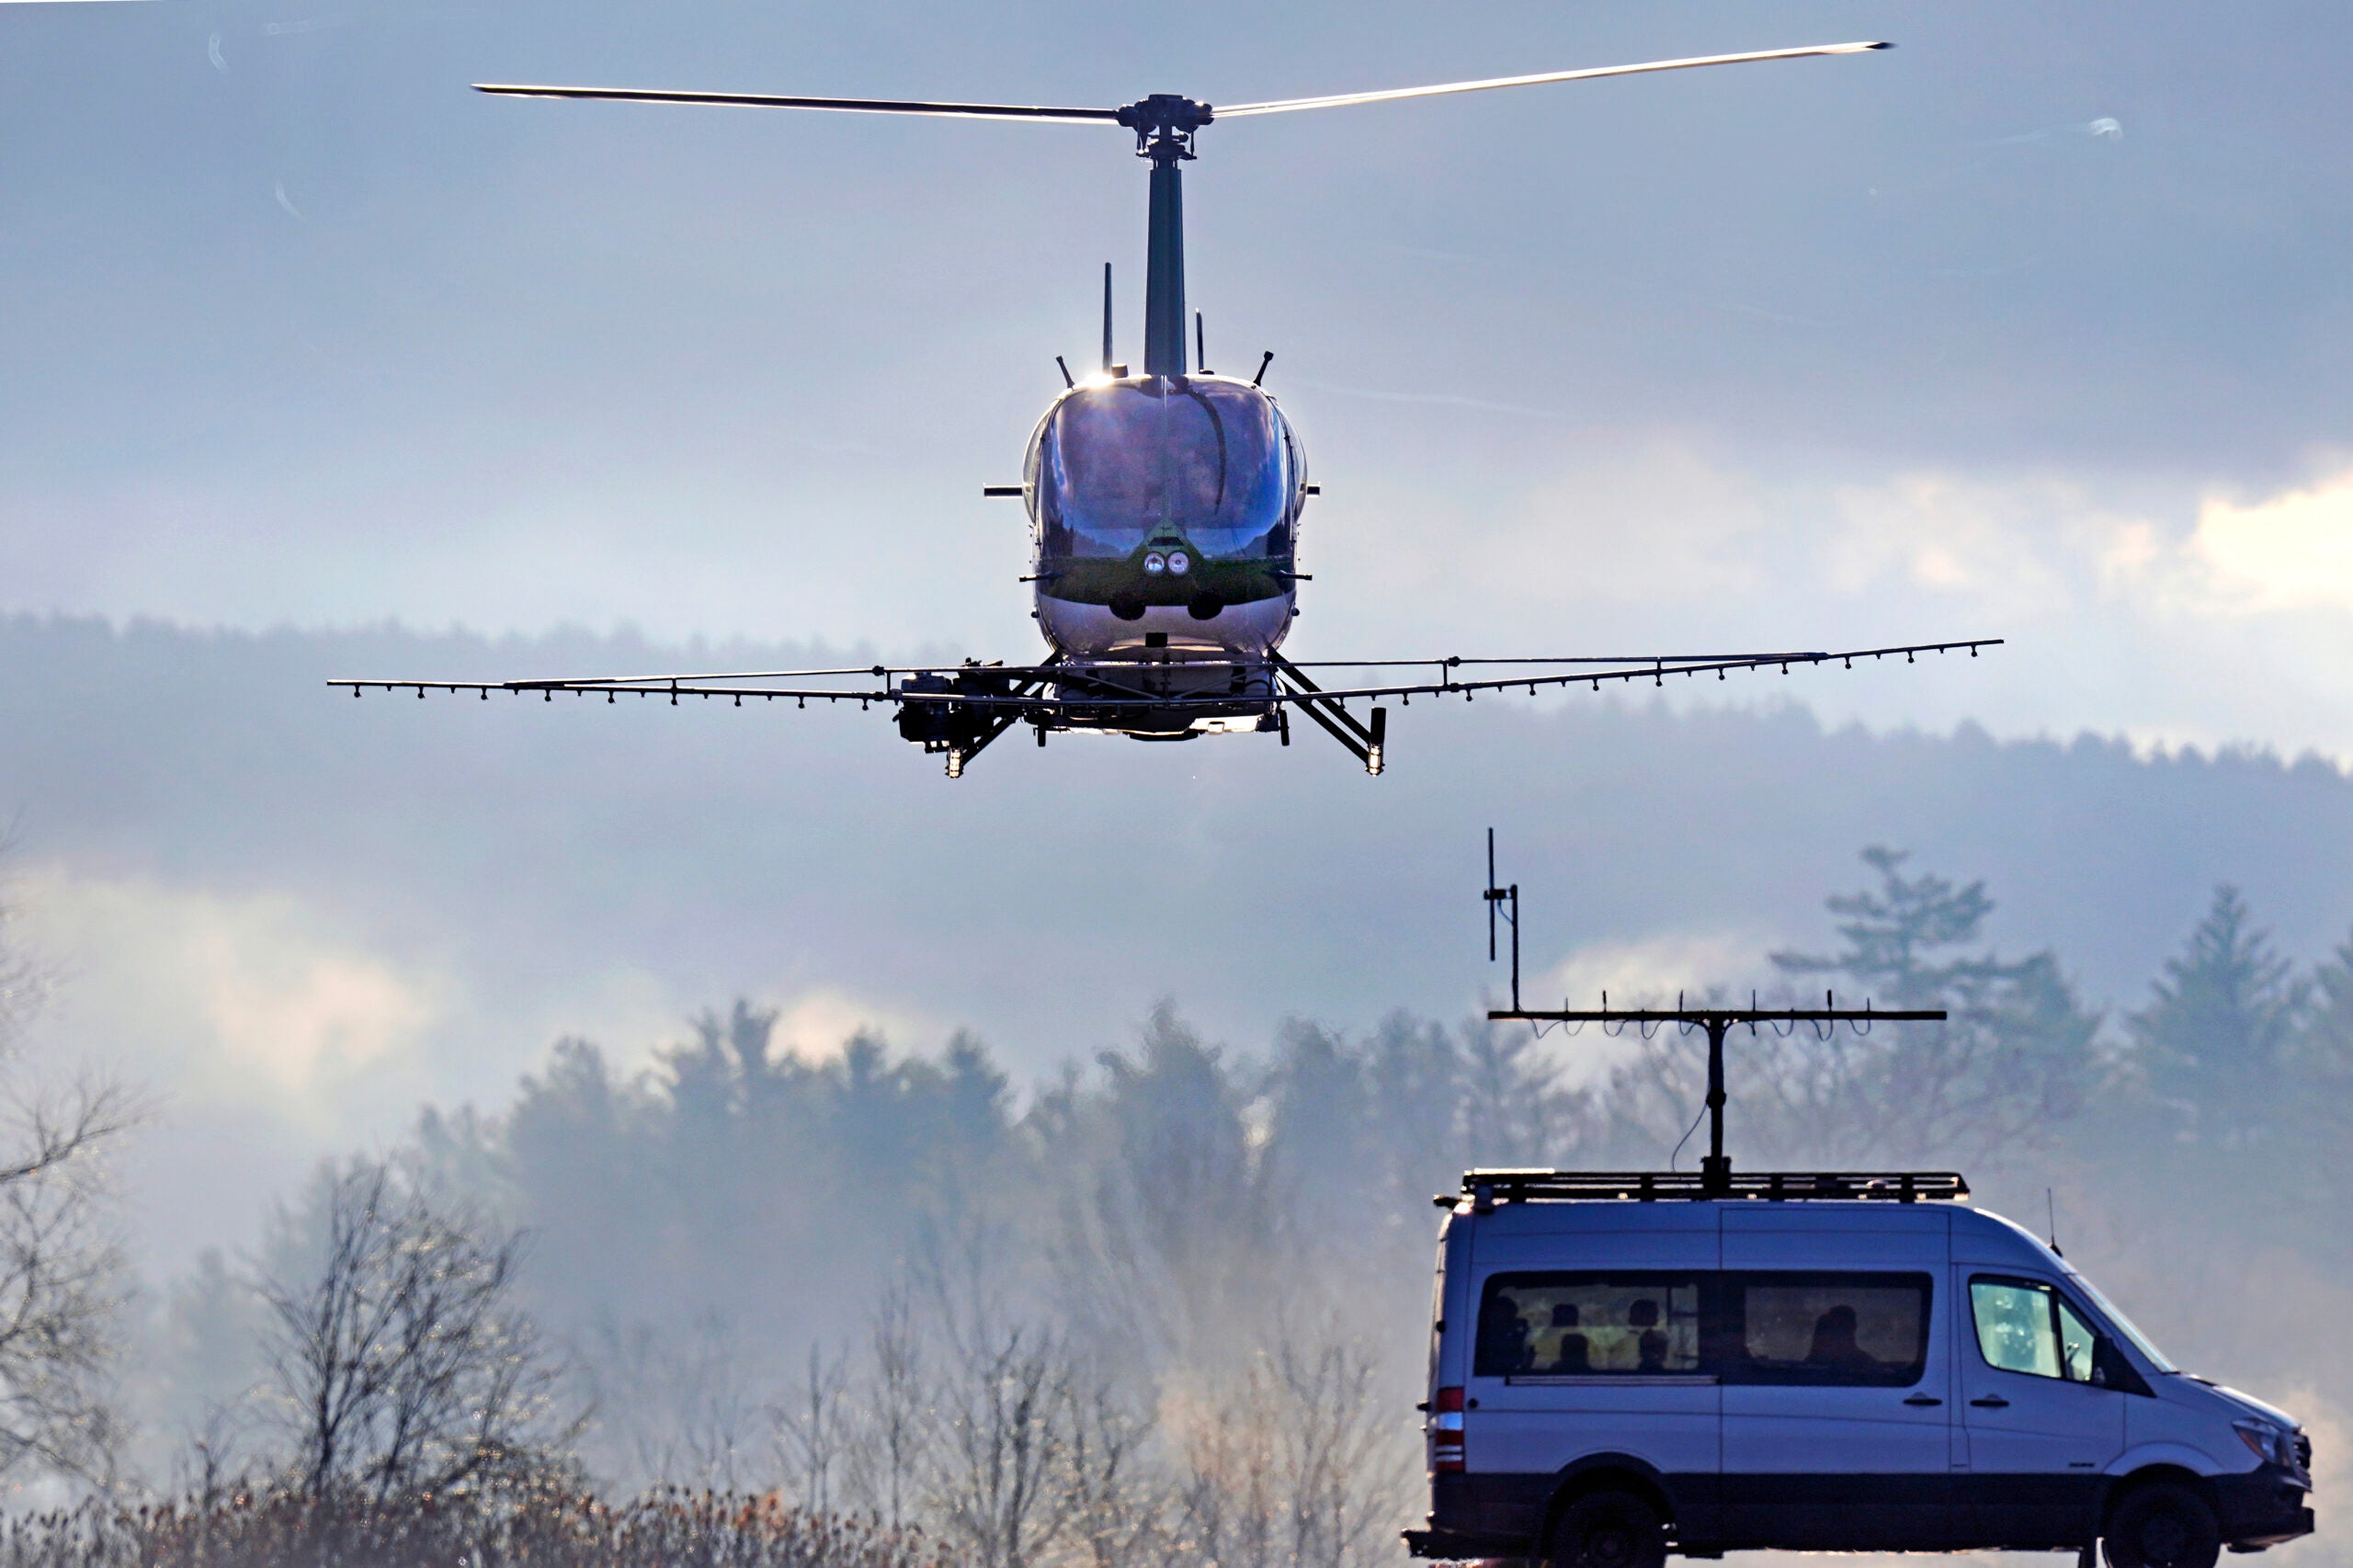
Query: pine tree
(2012,1064)
(2214,1047)
(1890,934)
(2324,1052)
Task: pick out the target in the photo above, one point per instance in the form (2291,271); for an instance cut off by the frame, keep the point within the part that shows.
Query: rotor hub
(1164,124)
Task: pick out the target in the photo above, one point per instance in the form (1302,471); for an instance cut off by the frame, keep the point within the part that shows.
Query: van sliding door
(1837,1398)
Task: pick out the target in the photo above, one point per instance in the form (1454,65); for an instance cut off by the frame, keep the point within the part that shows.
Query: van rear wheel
(1613,1529)
(2163,1526)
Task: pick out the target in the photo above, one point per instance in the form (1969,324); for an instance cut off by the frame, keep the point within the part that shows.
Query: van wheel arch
(1605,1472)
(2118,1488)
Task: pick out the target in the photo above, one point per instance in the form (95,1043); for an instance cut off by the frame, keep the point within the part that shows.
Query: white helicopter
(1165,514)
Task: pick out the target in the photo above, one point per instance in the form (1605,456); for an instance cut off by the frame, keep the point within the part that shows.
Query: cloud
(2292,552)
(1651,968)
(1624,515)
(815,1024)
(2037,546)
(1657,519)
(1646,972)
(2161,609)
(229,998)
(2013,548)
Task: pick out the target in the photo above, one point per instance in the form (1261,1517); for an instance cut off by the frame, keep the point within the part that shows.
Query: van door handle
(1924,1400)
(1989,1401)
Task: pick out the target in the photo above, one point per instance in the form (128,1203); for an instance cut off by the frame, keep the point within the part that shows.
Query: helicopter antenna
(1107,318)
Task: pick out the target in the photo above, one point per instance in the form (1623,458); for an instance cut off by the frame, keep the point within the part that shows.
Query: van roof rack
(1484,1188)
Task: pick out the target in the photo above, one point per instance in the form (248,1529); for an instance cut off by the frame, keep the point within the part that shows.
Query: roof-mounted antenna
(1200,347)
(1268,359)
(1107,318)
(1067,382)
(1715,1167)
(1495,896)
(2051,1215)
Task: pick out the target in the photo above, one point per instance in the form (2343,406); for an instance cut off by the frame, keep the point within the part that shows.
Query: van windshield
(2122,1324)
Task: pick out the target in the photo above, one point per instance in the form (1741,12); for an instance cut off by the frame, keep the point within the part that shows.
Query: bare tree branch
(62,1276)
(400,1357)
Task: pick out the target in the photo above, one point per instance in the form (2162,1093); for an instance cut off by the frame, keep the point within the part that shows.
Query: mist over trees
(1166,1306)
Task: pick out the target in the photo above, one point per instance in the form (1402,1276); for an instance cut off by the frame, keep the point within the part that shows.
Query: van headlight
(2272,1445)
(1155,563)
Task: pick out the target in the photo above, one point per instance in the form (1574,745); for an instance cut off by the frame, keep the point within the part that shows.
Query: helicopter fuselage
(1164,515)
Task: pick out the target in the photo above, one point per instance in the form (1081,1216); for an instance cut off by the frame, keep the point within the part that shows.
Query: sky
(2033,328)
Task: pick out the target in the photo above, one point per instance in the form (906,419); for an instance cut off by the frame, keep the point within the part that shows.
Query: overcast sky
(2035,326)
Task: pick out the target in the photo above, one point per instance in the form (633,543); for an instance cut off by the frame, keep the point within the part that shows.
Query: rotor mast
(1164,124)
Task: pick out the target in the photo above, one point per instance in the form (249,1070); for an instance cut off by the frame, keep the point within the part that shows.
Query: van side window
(2024,1325)
(1852,1329)
(1587,1325)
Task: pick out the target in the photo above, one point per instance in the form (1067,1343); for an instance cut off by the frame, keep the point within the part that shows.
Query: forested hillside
(1172,1302)
(1142,1065)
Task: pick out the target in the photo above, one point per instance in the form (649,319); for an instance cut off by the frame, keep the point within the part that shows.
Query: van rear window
(1588,1325)
(1867,1329)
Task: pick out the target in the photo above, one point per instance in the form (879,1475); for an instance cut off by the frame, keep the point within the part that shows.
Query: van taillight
(1446,1430)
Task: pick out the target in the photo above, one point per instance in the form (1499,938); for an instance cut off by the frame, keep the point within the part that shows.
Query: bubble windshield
(1208,460)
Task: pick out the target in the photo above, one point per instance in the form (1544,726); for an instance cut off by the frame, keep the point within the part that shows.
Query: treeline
(1170,1305)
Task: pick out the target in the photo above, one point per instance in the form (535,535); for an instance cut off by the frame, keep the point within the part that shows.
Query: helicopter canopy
(1211,461)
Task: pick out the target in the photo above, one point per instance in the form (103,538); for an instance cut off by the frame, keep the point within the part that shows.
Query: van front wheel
(2163,1526)
(1616,1529)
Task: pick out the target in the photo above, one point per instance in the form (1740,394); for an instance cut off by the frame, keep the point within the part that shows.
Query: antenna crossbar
(1715,1167)
(1703,1016)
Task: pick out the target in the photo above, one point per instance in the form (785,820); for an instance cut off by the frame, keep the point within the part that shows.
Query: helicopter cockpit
(1197,462)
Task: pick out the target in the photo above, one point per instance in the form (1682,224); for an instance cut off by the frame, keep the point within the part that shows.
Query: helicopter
(1165,511)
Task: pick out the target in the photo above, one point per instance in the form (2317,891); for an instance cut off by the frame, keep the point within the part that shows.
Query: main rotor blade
(1342,101)
(771,100)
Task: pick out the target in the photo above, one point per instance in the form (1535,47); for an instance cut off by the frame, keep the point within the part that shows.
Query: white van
(1625,1366)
